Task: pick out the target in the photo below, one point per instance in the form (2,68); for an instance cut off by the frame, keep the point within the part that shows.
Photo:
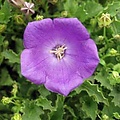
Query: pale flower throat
(59,51)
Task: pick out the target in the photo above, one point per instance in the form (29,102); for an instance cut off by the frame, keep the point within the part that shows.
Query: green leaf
(103,79)
(116,95)
(93,91)
(92,8)
(31,111)
(113,8)
(58,113)
(70,110)
(81,13)
(110,110)
(1,39)
(5,79)
(90,107)
(116,115)
(115,27)
(11,56)
(68,5)
(45,103)
(5,13)
(117,67)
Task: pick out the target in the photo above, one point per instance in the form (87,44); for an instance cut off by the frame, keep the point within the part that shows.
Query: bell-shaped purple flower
(58,53)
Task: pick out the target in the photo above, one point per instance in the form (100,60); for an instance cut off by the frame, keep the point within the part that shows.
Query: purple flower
(58,53)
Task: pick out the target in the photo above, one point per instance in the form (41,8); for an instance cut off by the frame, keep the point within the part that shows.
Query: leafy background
(98,98)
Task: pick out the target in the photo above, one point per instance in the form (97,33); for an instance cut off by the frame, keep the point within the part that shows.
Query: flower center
(59,51)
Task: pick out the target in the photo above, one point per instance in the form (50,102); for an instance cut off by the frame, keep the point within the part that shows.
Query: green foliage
(96,99)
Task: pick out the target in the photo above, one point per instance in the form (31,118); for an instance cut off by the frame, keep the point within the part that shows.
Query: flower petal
(37,32)
(70,28)
(84,57)
(32,65)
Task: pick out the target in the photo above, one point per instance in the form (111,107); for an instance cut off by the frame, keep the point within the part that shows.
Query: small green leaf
(11,56)
(5,13)
(113,8)
(92,8)
(110,110)
(5,78)
(92,90)
(45,103)
(116,115)
(70,110)
(31,111)
(117,67)
(90,107)
(1,39)
(81,13)
(103,79)
(116,94)
(58,113)
(115,27)
(68,5)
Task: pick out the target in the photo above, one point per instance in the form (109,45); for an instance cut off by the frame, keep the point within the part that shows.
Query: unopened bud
(113,51)
(100,37)
(17,116)
(2,28)
(38,17)
(6,100)
(64,13)
(19,19)
(15,89)
(104,20)
(105,117)
(117,36)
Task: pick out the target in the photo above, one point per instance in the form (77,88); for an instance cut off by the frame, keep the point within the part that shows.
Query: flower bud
(104,20)
(105,117)
(6,100)
(64,13)
(17,116)
(115,74)
(2,28)
(113,51)
(38,17)
(100,37)
(15,89)
(117,36)
(19,19)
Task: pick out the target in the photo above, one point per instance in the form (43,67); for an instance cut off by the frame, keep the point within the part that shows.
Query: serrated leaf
(58,113)
(90,107)
(81,13)
(5,13)
(115,27)
(110,110)
(5,78)
(93,91)
(116,94)
(70,110)
(68,5)
(11,56)
(103,80)
(92,8)
(31,111)
(112,9)
(45,103)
